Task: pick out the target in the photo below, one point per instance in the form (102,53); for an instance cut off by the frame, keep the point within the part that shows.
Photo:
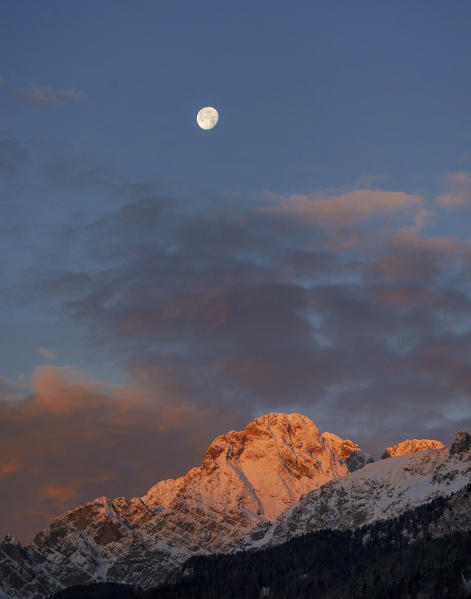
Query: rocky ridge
(379,491)
(411,446)
(247,477)
(277,479)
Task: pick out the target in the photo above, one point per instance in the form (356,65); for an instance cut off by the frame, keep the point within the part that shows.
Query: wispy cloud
(267,304)
(10,466)
(347,209)
(47,96)
(459,191)
(49,354)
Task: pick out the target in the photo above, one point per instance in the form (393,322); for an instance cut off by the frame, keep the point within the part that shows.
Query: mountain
(413,555)
(378,491)
(247,477)
(411,446)
(274,481)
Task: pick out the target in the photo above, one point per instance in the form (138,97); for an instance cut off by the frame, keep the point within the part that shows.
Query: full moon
(207,118)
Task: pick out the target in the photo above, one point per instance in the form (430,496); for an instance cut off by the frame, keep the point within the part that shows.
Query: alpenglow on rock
(246,477)
(379,491)
(411,446)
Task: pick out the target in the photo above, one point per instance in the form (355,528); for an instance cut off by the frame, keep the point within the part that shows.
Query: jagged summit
(262,469)
(411,446)
(381,490)
(461,443)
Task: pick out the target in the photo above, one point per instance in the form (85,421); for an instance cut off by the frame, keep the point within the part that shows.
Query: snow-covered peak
(263,469)
(411,446)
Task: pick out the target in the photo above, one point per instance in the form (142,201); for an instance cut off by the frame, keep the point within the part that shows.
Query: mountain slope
(413,555)
(378,491)
(246,477)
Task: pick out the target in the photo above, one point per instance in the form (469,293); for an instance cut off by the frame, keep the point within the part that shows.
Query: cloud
(459,194)
(47,96)
(246,308)
(9,391)
(345,308)
(49,354)
(348,209)
(10,466)
(2,81)
(59,494)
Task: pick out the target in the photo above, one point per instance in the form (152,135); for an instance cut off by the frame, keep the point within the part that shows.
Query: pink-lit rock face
(379,491)
(411,446)
(261,470)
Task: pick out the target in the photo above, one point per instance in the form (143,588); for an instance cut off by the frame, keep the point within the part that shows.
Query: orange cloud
(10,466)
(64,389)
(49,354)
(73,439)
(59,493)
(459,194)
(347,209)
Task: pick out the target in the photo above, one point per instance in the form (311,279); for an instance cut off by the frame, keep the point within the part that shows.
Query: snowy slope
(378,491)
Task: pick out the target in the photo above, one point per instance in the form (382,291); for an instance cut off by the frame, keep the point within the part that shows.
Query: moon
(207,118)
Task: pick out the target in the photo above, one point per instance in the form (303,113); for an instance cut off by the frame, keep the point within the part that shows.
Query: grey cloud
(218,312)
(47,96)
(230,306)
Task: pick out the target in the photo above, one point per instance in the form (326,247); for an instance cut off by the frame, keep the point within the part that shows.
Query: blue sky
(312,97)
(308,254)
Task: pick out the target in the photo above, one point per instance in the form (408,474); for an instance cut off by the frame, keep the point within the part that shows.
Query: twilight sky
(161,284)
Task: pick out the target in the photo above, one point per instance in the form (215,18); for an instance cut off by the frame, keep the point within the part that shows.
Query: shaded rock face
(357,460)
(411,446)
(461,444)
(246,478)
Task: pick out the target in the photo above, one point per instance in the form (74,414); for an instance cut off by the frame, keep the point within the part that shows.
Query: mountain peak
(411,446)
(461,443)
(263,469)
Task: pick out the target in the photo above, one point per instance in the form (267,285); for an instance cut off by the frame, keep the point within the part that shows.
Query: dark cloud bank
(340,306)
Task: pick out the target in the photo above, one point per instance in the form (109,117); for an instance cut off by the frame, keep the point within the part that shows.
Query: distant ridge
(411,446)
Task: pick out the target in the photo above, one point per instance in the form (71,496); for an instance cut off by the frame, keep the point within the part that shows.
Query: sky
(161,284)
